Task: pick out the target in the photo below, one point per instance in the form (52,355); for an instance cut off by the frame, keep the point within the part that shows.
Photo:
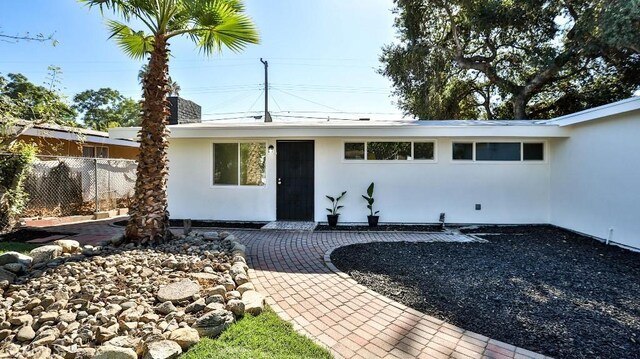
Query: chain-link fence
(66,186)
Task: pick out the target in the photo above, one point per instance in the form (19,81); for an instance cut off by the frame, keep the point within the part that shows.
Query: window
(533,151)
(462,151)
(423,151)
(88,151)
(239,164)
(389,151)
(95,151)
(498,151)
(354,151)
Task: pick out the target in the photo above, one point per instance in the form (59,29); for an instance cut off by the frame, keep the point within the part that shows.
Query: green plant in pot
(332,217)
(372,218)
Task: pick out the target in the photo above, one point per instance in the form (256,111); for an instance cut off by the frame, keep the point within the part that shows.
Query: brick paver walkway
(294,270)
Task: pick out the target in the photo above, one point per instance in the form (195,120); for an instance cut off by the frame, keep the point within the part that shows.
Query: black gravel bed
(207,224)
(27,234)
(538,287)
(382,228)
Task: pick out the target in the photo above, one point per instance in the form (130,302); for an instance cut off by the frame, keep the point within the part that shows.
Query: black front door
(295,180)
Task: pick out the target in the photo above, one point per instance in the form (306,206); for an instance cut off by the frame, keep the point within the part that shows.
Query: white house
(580,172)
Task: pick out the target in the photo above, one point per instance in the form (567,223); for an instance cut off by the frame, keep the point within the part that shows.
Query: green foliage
(512,59)
(106,108)
(25,100)
(370,200)
(263,337)
(19,247)
(14,168)
(212,25)
(334,204)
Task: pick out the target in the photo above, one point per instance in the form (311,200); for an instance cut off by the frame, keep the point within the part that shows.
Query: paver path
(294,270)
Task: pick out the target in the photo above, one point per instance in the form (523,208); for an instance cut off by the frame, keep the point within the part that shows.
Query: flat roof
(356,128)
(312,128)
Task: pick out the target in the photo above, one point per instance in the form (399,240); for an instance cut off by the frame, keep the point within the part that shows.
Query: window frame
(95,148)
(410,140)
(238,185)
(545,152)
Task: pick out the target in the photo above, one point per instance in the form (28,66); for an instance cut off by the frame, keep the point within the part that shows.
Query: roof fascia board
(318,132)
(63,135)
(596,113)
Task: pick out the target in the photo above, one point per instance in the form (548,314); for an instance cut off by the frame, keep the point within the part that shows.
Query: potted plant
(332,217)
(372,218)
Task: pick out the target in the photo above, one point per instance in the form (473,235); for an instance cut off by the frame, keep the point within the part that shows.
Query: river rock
(45,253)
(162,349)
(205,279)
(185,337)
(7,276)
(236,307)
(25,334)
(166,308)
(253,302)
(245,287)
(178,291)
(113,352)
(68,245)
(213,323)
(15,257)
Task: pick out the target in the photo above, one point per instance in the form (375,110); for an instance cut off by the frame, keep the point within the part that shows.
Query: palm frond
(136,44)
(214,24)
(144,10)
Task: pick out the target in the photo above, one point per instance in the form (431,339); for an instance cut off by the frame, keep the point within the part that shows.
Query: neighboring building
(580,171)
(55,140)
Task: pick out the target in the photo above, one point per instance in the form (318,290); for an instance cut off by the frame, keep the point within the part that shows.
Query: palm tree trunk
(149,218)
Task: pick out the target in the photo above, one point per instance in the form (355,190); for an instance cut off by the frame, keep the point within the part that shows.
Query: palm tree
(174,87)
(212,25)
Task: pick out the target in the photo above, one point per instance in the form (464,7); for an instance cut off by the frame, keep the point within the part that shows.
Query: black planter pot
(373,221)
(332,219)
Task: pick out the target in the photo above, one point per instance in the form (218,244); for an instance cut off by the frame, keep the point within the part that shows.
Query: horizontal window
(389,150)
(423,151)
(533,151)
(354,151)
(498,151)
(462,151)
(239,164)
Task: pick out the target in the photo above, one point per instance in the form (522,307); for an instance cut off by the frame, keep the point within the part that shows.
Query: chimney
(183,111)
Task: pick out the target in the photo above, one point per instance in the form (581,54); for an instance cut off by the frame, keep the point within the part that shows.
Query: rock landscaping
(537,287)
(121,301)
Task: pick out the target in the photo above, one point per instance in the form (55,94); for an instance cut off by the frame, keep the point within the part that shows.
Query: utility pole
(267,116)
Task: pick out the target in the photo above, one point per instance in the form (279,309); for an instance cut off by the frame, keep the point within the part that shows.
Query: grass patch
(265,336)
(17,247)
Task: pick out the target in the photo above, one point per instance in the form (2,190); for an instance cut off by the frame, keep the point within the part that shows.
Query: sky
(322,54)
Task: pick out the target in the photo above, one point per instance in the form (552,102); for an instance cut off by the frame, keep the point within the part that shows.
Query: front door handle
(279,180)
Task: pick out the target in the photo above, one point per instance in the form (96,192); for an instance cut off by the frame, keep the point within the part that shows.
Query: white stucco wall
(408,192)
(191,194)
(415,192)
(595,179)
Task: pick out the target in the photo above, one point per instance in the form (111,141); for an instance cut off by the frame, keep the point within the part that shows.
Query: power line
(254,102)
(304,99)
(276,102)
